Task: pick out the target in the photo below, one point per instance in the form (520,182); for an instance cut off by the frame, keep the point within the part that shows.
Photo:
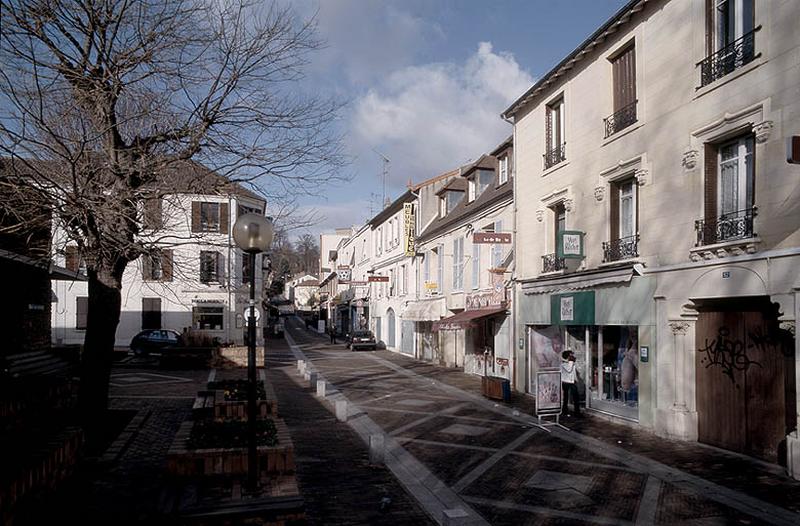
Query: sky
(424,83)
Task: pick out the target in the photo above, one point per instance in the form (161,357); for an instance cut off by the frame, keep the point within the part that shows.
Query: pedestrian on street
(568,385)
(333,334)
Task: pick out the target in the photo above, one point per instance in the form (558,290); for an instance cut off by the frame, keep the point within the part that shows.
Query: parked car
(155,340)
(363,340)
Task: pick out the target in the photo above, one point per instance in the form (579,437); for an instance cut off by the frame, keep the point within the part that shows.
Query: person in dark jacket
(332,331)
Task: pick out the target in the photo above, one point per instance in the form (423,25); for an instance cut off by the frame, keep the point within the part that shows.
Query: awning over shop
(464,319)
(425,310)
(580,280)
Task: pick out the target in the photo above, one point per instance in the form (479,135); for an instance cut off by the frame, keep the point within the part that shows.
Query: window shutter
(166,265)
(81,312)
(614,212)
(710,186)
(147,267)
(220,268)
(624,74)
(223,218)
(72,261)
(548,128)
(153,213)
(709,27)
(196,216)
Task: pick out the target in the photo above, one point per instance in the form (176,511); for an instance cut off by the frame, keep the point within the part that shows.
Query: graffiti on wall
(730,354)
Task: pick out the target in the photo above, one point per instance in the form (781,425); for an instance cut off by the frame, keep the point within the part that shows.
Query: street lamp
(253,234)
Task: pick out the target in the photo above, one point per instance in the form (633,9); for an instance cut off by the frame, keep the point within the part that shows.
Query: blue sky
(425,82)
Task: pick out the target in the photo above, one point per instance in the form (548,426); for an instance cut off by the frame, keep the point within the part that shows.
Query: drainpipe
(514,331)
(228,278)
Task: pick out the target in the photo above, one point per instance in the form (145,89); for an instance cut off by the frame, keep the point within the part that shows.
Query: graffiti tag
(728,354)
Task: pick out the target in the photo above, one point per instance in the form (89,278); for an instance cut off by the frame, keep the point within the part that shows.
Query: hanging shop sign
(343,274)
(431,285)
(491,238)
(409,229)
(570,244)
(378,279)
(576,308)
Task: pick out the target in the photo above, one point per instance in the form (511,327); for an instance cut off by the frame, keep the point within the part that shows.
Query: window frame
(205,226)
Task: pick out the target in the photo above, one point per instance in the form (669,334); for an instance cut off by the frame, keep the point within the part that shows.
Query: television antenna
(384,173)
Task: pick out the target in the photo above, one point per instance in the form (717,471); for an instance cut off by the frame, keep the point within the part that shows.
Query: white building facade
(658,225)
(198,280)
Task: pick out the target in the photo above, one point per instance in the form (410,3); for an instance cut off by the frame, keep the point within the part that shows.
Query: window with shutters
(152,215)
(623,67)
(247,267)
(157,266)
(209,217)
(476,266)
(440,267)
(730,37)
(502,166)
(210,267)
(81,312)
(551,262)
(729,199)
(151,313)
(555,142)
(624,217)
(458,264)
(497,248)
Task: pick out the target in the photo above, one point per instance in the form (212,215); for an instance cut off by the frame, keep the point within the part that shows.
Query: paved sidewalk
(512,472)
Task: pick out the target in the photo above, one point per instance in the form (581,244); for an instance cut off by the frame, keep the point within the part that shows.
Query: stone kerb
(185,462)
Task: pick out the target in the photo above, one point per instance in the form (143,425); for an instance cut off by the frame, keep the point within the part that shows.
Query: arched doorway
(390,330)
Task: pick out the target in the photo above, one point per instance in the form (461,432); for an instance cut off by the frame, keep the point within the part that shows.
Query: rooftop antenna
(385,172)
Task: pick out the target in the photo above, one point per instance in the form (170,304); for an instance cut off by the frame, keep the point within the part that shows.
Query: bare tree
(102,101)
(308,251)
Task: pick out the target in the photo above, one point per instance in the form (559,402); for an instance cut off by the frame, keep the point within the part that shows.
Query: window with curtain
(458,263)
(476,266)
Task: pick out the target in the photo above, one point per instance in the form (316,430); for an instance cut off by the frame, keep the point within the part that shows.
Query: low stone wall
(185,462)
(237,410)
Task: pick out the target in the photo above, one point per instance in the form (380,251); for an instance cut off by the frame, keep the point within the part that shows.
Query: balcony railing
(622,248)
(621,119)
(727,227)
(726,60)
(555,155)
(552,263)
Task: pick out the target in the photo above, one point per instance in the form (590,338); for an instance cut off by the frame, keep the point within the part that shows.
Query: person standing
(568,385)
(333,333)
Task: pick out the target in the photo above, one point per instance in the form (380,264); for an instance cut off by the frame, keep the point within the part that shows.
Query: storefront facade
(606,320)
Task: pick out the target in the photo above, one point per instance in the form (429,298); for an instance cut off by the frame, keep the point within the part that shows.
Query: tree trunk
(101,326)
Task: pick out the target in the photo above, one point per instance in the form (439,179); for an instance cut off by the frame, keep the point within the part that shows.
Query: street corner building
(657,226)
(198,281)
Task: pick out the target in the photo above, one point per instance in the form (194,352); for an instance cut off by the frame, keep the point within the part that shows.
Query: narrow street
(454,450)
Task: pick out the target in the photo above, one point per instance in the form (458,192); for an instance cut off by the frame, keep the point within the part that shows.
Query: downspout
(514,331)
(231,308)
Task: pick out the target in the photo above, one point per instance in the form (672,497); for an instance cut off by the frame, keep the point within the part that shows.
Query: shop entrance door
(745,382)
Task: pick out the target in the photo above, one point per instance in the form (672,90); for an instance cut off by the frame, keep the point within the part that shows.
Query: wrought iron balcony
(727,227)
(552,263)
(622,248)
(621,119)
(728,59)
(555,155)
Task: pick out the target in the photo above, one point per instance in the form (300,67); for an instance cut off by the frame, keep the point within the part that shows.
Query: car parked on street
(155,340)
(362,340)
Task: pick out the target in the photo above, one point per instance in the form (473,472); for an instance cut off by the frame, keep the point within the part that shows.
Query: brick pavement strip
(690,477)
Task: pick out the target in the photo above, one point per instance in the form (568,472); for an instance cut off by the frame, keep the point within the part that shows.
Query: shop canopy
(465,319)
(425,310)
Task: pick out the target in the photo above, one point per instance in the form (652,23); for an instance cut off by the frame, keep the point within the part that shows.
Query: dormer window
(448,201)
(502,166)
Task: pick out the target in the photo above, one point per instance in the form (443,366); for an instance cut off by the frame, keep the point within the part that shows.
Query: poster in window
(547,346)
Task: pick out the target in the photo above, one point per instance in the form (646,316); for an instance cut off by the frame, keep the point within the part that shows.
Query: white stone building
(195,281)
(658,146)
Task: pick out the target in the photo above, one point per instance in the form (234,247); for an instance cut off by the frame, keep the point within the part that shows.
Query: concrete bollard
(376,449)
(301,366)
(312,378)
(341,410)
(454,516)
(321,386)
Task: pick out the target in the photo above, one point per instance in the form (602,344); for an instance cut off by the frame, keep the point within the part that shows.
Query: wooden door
(742,382)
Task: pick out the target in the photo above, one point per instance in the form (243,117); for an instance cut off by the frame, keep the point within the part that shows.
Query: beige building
(658,222)
(462,317)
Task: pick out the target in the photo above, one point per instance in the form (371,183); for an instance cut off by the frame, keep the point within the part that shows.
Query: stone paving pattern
(511,472)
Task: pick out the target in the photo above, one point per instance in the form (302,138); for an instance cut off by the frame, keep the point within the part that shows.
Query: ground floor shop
(704,351)
(477,340)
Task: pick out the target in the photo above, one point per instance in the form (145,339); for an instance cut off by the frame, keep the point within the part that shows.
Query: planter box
(272,460)
(496,388)
(235,409)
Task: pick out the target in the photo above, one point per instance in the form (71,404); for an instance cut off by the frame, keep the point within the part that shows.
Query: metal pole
(252,460)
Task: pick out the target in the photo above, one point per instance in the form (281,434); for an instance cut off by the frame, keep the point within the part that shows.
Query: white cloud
(332,216)
(431,118)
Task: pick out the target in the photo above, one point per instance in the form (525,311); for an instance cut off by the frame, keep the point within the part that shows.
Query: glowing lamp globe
(253,233)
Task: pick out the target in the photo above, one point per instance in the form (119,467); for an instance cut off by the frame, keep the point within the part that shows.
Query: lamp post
(253,234)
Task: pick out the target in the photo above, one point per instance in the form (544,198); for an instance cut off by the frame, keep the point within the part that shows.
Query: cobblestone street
(461,451)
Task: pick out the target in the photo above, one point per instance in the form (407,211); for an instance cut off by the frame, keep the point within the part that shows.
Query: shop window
(615,368)
(208,318)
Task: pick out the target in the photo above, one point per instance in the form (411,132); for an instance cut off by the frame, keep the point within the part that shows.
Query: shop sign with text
(570,244)
(409,224)
(576,308)
(491,238)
